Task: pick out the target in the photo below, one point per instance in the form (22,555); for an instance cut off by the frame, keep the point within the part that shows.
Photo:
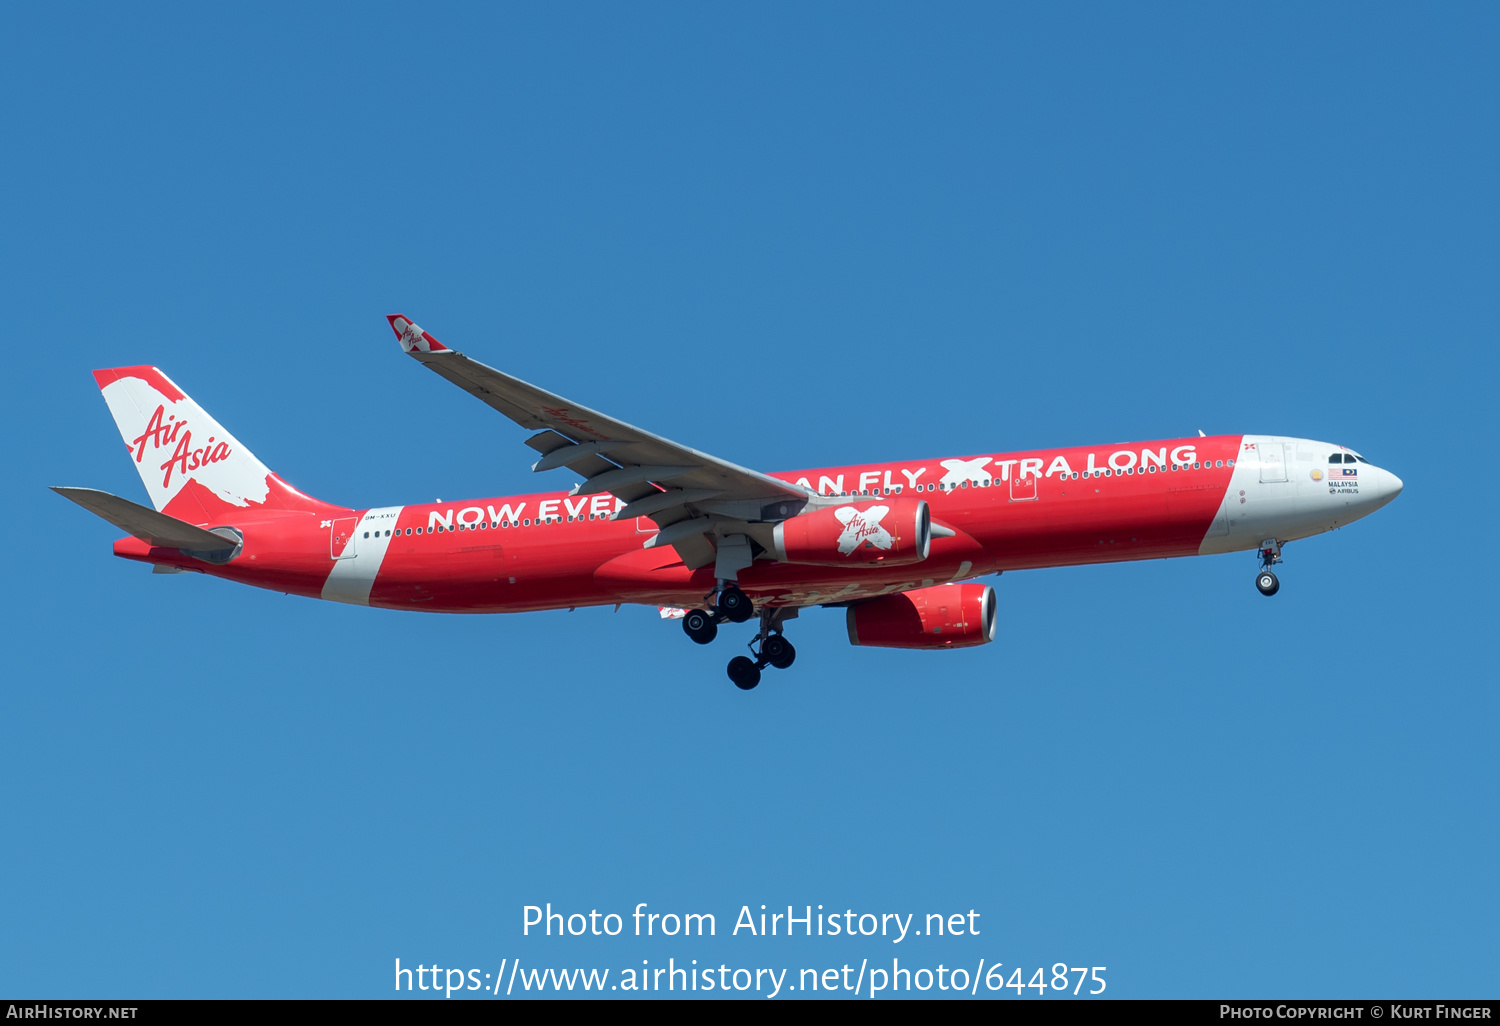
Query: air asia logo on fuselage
(863,527)
(960,471)
(162,430)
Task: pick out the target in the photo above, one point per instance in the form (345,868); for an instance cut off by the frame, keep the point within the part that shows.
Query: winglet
(412,337)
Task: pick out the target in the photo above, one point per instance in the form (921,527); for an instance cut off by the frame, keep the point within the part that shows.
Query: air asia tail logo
(411,338)
(863,527)
(414,338)
(163,430)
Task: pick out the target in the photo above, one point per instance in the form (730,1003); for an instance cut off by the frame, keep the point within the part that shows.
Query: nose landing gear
(1270,555)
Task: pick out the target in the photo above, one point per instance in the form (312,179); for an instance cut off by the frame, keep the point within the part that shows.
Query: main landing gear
(1270,555)
(732,605)
(770,647)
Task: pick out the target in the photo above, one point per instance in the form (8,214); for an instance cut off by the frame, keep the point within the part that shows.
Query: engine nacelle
(888,531)
(944,616)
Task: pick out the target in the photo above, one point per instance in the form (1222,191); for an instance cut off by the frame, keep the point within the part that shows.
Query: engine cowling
(944,616)
(888,531)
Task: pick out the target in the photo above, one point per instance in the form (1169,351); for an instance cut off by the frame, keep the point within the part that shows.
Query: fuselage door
(341,538)
(1272,462)
(1022,489)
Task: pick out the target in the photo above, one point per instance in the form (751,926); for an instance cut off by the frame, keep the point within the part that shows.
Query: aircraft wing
(691,495)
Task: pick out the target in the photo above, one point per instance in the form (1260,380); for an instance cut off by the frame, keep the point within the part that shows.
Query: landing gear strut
(1270,555)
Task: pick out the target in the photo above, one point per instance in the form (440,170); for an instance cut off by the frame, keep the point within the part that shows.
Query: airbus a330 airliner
(654,522)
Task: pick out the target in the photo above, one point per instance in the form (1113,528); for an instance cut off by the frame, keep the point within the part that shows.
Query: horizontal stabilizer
(147,524)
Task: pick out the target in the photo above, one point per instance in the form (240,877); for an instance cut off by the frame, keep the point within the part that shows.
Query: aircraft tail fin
(192,467)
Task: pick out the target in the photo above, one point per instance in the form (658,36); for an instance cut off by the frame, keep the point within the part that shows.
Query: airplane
(897,545)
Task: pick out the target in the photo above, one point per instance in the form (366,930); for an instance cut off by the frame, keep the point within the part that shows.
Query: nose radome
(1393,486)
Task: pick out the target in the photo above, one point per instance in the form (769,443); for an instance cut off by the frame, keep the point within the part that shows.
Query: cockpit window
(1361,459)
(1337,457)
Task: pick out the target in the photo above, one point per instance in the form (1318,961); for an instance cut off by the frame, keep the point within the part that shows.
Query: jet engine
(944,616)
(887,531)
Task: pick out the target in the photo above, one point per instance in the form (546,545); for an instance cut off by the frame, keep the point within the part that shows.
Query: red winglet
(412,337)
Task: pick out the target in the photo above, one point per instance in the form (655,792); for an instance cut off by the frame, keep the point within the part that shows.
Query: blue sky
(793,237)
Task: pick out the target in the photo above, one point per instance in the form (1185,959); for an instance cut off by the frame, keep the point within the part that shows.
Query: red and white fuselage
(1009,511)
(838,535)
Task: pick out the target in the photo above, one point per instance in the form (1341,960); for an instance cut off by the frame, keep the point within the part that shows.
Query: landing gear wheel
(734,605)
(744,672)
(1267,583)
(700,626)
(778,652)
